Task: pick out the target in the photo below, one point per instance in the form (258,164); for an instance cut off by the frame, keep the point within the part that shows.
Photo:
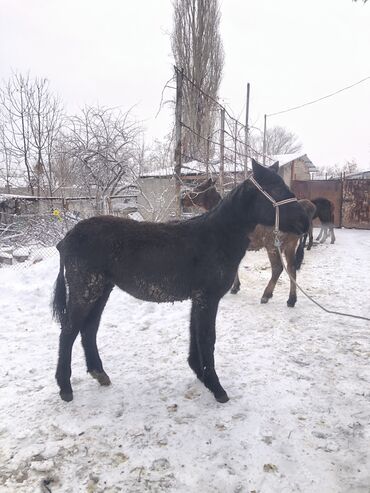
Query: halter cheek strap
(275,204)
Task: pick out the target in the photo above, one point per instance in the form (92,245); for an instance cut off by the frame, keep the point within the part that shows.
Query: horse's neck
(234,212)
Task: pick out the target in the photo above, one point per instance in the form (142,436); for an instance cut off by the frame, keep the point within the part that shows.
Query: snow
(298,419)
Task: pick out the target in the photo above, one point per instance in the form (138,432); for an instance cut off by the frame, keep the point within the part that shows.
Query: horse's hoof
(234,291)
(222,398)
(66,396)
(291,303)
(101,377)
(264,299)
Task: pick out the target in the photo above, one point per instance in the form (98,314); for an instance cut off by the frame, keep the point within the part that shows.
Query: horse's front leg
(202,344)
(276,270)
(291,268)
(310,236)
(320,233)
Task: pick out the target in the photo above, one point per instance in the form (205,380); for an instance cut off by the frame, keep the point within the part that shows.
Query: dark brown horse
(325,212)
(206,196)
(195,259)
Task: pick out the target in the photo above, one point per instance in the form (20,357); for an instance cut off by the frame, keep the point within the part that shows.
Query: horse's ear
(258,169)
(275,167)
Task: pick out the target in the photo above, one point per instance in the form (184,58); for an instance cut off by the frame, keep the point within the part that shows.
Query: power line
(320,99)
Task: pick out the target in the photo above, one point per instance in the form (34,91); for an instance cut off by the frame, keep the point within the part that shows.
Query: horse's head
(292,217)
(204,195)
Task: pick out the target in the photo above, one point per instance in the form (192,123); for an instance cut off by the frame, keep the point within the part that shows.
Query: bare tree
(279,140)
(45,124)
(337,170)
(14,109)
(7,173)
(159,156)
(31,119)
(197,49)
(102,148)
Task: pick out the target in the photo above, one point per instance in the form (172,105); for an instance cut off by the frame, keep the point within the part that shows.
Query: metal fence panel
(356,206)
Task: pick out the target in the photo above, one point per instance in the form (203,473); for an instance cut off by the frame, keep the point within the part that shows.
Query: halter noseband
(275,204)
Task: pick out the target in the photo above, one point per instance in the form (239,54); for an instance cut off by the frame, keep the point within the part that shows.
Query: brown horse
(206,196)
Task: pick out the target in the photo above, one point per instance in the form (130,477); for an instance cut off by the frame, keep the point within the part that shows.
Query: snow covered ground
(298,419)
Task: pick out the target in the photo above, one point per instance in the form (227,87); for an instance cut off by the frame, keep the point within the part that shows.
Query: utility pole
(178,150)
(222,151)
(246,151)
(264,140)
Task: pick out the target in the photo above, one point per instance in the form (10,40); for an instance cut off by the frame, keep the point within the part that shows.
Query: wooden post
(342,178)
(246,138)
(178,147)
(222,152)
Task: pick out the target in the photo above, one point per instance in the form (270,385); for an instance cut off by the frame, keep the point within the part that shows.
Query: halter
(275,204)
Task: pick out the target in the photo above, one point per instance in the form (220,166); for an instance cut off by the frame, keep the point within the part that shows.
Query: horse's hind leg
(84,290)
(67,337)
(88,339)
(276,270)
(203,330)
(320,233)
(325,234)
(332,235)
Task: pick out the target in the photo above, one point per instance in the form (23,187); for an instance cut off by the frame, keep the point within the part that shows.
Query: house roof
(285,159)
(358,175)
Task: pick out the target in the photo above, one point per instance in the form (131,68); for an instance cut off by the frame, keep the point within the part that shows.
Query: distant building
(359,175)
(296,166)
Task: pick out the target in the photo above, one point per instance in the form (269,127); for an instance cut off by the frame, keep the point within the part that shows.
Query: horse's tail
(60,292)
(299,254)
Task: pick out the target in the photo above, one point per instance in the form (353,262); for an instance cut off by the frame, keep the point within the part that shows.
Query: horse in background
(325,212)
(195,259)
(206,196)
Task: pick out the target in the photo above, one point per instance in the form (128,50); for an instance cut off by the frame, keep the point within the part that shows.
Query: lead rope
(277,243)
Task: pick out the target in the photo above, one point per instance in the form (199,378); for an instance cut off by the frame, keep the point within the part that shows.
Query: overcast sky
(118,53)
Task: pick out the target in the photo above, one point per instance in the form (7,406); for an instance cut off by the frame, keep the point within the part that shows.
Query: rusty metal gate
(356,205)
(350,199)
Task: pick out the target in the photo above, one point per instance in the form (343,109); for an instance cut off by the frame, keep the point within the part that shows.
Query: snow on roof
(193,168)
(197,167)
